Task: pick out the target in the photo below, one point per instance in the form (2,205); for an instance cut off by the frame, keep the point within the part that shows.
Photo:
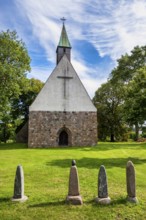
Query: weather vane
(63,19)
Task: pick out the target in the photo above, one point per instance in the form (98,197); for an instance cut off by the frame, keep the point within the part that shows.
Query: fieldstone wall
(22,135)
(45,127)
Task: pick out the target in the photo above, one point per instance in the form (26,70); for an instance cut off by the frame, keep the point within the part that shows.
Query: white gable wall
(51,97)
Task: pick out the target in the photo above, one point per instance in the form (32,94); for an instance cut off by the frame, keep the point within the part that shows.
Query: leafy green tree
(20,105)
(14,65)
(5,128)
(109,101)
(130,73)
(17,113)
(135,100)
(128,65)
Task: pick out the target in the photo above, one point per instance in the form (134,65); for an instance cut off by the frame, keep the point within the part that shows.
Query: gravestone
(74,196)
(102,197)
(19,186)
(131,186)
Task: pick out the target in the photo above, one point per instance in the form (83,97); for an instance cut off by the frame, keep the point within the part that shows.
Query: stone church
(62,114)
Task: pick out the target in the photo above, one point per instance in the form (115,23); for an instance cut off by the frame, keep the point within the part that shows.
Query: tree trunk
(112,138)
(4,134)
(136,131)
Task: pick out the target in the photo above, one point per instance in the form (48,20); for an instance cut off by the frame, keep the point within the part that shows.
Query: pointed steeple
(64,41)
(64,46)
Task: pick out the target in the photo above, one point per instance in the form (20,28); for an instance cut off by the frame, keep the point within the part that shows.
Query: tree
(17,114)
(109,101)
(20,105)
(130,73)
(128,65)
(135,100)
(14,65)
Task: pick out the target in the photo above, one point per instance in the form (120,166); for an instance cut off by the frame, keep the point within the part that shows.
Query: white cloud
(41,73)
(91,78)
(111,27)
(119,28)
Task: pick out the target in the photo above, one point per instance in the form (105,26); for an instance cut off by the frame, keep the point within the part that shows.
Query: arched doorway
(63,138)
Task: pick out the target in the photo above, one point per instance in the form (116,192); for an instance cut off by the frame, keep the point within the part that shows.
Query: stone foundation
(45,127)
(22,135)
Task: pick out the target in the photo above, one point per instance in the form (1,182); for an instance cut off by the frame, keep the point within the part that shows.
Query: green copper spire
(64,47)
(64,42)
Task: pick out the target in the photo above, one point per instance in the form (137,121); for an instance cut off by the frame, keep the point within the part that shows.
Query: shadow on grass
(13,146)
(100,147)
(5,200)
(114,202)
(94,163)
(89,202)
(40,205)
(122,200)
(104,146)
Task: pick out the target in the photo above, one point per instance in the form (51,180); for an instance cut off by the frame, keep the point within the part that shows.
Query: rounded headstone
(19,183)
(130,176)
(131,185)
(102,183)
(19,186)
(103,197)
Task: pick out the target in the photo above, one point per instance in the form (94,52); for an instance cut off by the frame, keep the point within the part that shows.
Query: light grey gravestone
(19,186)
(102,197)
(131,186)
(74,196)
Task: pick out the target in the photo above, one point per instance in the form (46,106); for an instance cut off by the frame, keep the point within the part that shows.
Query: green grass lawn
(46,174)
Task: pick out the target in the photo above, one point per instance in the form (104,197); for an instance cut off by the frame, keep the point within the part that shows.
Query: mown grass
(46,181)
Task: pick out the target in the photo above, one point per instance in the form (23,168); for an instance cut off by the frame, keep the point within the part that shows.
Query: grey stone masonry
(74,191)
(102,187)
(22,135)
(19,186)
(130,179)
(45,127)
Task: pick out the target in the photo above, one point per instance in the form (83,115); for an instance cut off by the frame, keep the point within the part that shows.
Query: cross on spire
(63,19)
(64,46)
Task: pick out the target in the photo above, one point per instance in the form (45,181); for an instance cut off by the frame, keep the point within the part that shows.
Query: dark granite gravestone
(19,186)
(102,187)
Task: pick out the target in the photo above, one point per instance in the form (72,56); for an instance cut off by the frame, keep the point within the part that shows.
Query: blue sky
(99,33)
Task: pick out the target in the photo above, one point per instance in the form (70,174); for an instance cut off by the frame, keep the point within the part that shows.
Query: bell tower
(64,46)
